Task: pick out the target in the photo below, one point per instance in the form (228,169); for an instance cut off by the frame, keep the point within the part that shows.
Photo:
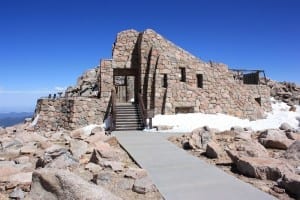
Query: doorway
(125,82)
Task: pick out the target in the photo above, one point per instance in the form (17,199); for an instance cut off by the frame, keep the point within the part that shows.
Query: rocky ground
(285,91)
(79,164)
(270,159)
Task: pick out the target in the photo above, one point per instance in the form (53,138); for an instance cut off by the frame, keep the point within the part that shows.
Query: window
(183,75)
(258,100)
(184,110)
(200,80)
(251,78)
(165,81)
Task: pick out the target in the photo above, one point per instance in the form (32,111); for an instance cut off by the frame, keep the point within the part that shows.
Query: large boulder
(22,179)
(291,183)
(261,168)
(200,137)
(82,133)
(274,138)
(78,148)
(293,135)
(213,150)
(55,184)
(293,154)
(247,148)
(57,157)
(143,185)
(285,126)
(104,150)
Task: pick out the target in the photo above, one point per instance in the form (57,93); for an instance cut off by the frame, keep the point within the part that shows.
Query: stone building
(167,78)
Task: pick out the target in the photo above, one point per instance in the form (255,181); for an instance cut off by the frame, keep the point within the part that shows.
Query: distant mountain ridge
(10,119)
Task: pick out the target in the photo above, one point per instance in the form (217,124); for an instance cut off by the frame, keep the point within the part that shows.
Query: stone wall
(68,113)
(159,65)
(157,57)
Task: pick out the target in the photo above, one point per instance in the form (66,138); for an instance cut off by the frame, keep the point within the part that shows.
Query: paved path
(179,175)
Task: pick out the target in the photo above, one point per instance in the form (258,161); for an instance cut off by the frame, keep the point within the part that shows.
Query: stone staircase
(128,117)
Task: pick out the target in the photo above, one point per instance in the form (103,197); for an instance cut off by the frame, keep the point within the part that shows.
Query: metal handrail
(113,109)
(142,109)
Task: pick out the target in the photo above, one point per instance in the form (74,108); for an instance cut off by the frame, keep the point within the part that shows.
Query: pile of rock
(81,164)
(86,86)
(285,91)
(272,155)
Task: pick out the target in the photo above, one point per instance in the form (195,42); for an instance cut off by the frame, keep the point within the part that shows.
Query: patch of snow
(187,122)
(35,120)
(87,129)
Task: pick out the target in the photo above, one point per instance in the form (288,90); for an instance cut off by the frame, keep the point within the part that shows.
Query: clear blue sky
(46,44)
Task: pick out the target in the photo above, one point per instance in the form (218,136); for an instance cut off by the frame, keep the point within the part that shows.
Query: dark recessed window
(165,81)
(200,80)
(183,75)
(258,100)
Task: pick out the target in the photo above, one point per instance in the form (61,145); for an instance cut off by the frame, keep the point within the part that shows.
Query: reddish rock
(92,167)
(200,137)
(135,173)
(28,149)
(293,136)
(262,168)
(291,183)
(274,138)
(22,179)
(63,184)
(213,150)
(248,148)
(114,165)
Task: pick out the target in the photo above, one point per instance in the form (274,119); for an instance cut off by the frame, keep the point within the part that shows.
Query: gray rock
(285,126)
(55,184)
(78,148)
(17,193)
(237,129)
(143,185)
(125,184)
(135,173)
(291,183)
(114,165)
(103,178)
(293,154)
(243,135)
(57,157)
(63,161)
(94,168)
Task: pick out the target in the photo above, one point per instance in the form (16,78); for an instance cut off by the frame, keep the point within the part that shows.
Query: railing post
(113,110)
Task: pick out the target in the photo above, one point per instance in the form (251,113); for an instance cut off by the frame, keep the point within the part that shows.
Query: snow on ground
(187,122)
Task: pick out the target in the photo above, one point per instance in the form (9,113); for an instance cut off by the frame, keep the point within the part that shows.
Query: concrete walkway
(179,175)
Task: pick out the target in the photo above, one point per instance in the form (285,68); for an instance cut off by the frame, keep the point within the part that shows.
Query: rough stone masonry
(170,79)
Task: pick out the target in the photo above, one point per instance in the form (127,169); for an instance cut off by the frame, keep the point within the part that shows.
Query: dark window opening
(184,110)
(183,75)
(258,100)
(165,81)
(251,78)
(200,80)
